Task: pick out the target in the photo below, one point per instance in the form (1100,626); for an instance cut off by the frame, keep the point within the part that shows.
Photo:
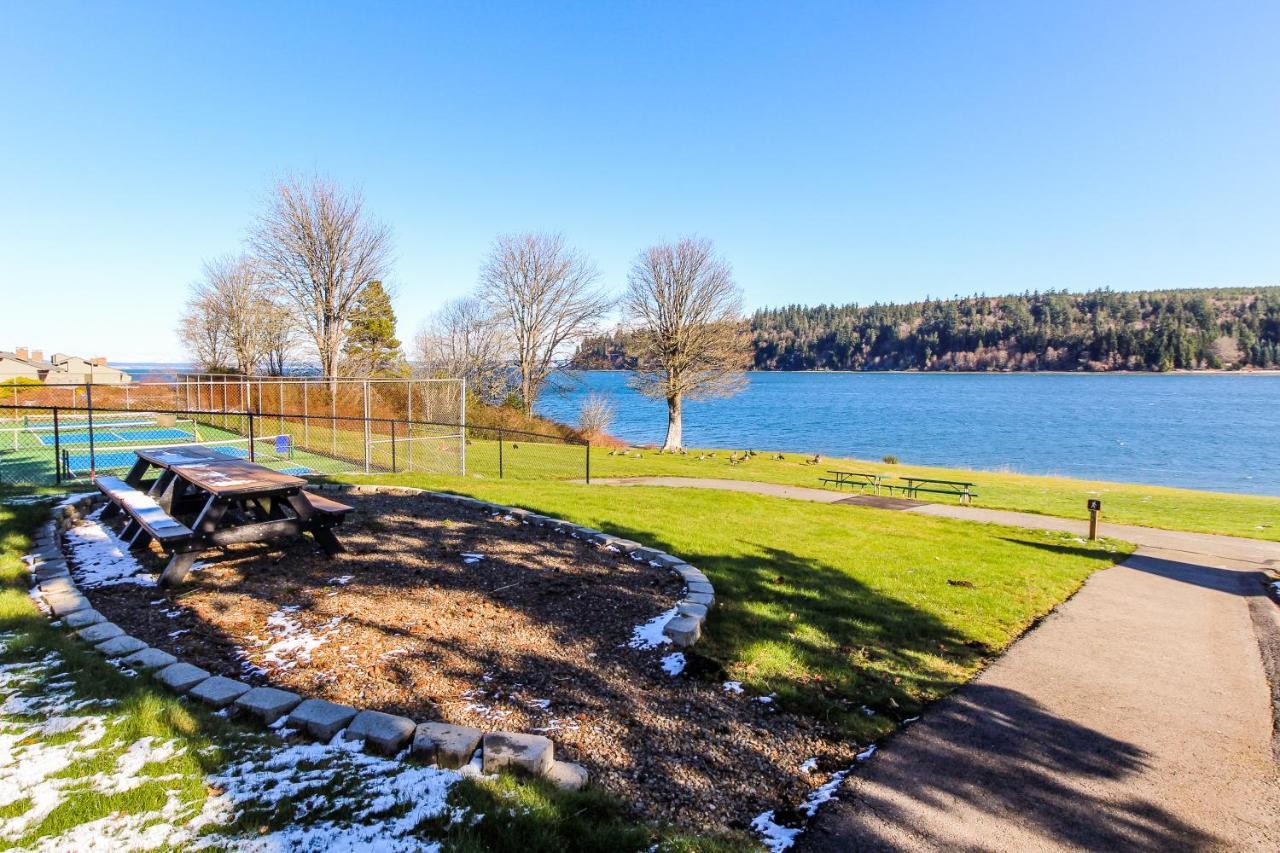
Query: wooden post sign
(1095,507)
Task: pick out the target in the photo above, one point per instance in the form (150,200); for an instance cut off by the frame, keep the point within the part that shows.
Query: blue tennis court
(107,435)
(269,449)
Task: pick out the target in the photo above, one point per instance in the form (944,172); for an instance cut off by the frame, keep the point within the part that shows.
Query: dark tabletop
(217,474)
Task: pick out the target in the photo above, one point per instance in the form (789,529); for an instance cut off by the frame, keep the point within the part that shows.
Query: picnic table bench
(202,498)
(861,479)
(964,489)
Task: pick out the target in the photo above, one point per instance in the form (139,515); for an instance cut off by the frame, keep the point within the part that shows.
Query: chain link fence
(44,445)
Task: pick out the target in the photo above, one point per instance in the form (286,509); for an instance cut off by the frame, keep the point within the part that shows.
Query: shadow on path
(998,752)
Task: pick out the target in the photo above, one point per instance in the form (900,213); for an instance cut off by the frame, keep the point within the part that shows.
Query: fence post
(306,417)
(280,385)
(93,466)
(408,426)
(393,447)
(367,437)
(588,463)
(251,453)
(499,454)
(462,431)
(57,449)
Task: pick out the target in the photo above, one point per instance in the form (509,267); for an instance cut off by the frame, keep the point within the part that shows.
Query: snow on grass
(100,558)
(778,837)
(312,797)
(649,635)
(379,808)
(674,663)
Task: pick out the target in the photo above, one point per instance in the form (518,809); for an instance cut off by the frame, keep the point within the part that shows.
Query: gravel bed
(439,612)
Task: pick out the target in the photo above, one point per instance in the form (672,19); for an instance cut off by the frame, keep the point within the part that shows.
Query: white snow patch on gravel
(101,558)
(732,687)
(778,837)
(293,643)
(674,663)
(649,635)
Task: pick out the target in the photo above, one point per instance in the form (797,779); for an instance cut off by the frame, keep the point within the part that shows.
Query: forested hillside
(1101,330)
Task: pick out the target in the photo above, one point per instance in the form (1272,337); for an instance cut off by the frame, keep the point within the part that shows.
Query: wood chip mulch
(532,637)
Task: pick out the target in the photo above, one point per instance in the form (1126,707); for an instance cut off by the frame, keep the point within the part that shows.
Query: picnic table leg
(178,568)
(322,534)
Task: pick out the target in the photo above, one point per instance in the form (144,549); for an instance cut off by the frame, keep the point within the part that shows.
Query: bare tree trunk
(675,424)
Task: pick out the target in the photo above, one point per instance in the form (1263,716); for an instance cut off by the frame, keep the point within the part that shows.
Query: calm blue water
(1219,432)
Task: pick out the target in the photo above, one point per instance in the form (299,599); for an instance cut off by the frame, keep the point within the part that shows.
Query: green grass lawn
(1123,503)
(833,607)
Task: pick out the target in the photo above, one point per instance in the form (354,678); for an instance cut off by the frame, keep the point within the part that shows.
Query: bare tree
(279,337)
(690,338)
(235,287)
(319,246)
(596,415)
(545,296)
(202,330)
(463,339)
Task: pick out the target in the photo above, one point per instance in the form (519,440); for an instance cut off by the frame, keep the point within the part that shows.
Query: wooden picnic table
(915,485)
(201,498)
(861,479)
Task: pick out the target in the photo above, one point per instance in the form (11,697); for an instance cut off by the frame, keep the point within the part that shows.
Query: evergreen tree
(371,347)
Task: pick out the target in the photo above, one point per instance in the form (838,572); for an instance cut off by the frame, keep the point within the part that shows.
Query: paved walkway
(1137,716)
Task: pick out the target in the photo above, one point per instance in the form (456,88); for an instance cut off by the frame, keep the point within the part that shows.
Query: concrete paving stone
(320,719)
(181,677)
(83,618)
(118,647)
(567,775)
(696,586)
(689,574)
(148,659)
(63,603)
(385,734)
(268,704)
(55,586)
(691,608)
(100,632)
(49,571)
(646,554)
(532,754)
(446,745)
(706,599)
(684,631)
(669,561)
(218,692)
(48,552)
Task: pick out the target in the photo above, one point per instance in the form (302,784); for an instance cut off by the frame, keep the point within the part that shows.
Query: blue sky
(835,153)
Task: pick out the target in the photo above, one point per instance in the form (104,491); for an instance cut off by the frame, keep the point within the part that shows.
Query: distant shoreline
(1253,371)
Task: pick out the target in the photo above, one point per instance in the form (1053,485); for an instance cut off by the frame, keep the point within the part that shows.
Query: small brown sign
(1095,505)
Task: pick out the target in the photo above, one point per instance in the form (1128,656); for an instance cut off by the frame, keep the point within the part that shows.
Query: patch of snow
(778,837)
(101,558)
(674,663)
(343,580)
(649,635)
(293,644)
(470,557)
(732,687)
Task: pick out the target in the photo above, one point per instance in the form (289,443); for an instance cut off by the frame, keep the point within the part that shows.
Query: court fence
(54,445)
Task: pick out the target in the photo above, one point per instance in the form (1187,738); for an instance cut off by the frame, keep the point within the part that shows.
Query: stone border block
(446,745)
(321,719)
(268,704)
(181,677)
(218,691)
(385,734)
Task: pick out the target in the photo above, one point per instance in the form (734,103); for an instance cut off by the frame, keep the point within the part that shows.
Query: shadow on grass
(1001,754)
(1243,582)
